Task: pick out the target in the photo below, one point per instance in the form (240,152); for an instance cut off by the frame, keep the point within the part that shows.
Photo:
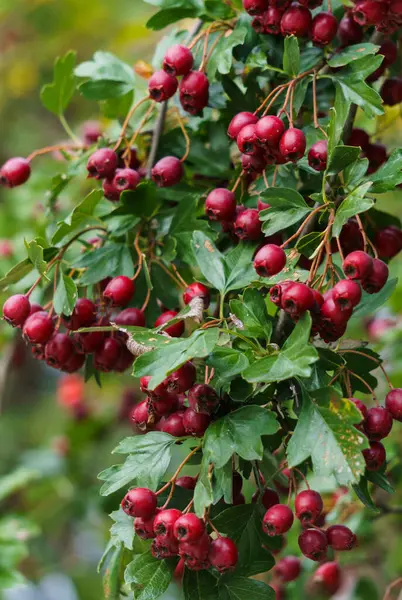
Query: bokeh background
(56,434)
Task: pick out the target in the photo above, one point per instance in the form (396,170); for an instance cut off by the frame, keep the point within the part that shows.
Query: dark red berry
(89,342)
(83,315)
(318,155)
(388,241)
(220,205)
(130,316)
(119,290)
(327,578)
(377,278)
(313,544)
(173,424)
(139,502)
(349,32)
(165,520)
(323,28)
(272,21)
(110,191)
(16,310)
(363,409)
(181,380)
(175,330)
(144,528)
(346,294)
(390,52)
(253,164)
(375,456)
(357,265)
(158,393)
(247,225)
(297,298)
(359,137)
(165,406)
(369,12)
(188,528)
(74,363)
(58,350)
(196,551)
(186,482)
(247,141)
(308,506)
(38,328)
(195,423)
(277,520)
(197,290)
(393,403)
(168,171)
(334,313)
(376,155)
(269,131)
(269,260)
(276,292)
(288,568)
(378,423)
(140,415)
(270,497)
(164,546)
(107,355)
(15,171)
(395,11)
(194,92)
(255,7)
(126,179)
(202,398)
(178,60)
(124,361)
(102,164)
(293,144)
(239,121)
(162,86)
(311,4)
(296,21)
(340,538)
(223,554)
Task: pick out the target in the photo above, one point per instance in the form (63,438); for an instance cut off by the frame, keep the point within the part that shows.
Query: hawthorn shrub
(227,238)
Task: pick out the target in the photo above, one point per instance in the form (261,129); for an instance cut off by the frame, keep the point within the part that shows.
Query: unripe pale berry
(247,225)
(323,28)
(277,520)
(340,538)
(16,310)
(14,172)
(167,171)
(197,290)
(393,403)
(202,398)
(126,179)
(293,144)
(38,328)
(239,121)
(188,528)
(178,60)
(375,456)
(102,164)
(223,554)
(313,544)
(175,330)
(269,131)
(296,21)
(139,502)
(162,86)
(288,568)
(318,155)
(308,506)
(357,265)
(269,260)
(119,290)
(220,205)
(378,423)
(377,278)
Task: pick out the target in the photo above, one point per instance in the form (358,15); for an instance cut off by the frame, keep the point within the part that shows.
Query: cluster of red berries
(178,534)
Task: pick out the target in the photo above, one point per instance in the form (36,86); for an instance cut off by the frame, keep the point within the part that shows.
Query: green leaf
(239,266)
(291,56)
(166,17)
(18,272)
(82,214)
(122,529)
(309,243)
(362,492)
(56,96)
(293,360)
(184,224)
(239,432)
(358,92)
(112,258)
(203,492)
(16,481)
(227,362)
(370,303)
(65,296)
(252,312)
(35,255)
(389,175)
(352,53)
(108,77)
(325,432)
(148,460)
(210,261)
(287,208)
(338,117)
(355,172)
(352,205)
(341,157)
(150,576)
(199,585)
(242,588)
(111,579)
(222,57)
(381,480)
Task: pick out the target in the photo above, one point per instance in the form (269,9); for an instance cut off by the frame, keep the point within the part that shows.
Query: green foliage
(56,96)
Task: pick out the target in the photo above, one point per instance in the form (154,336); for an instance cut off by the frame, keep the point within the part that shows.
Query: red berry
(247,225)
(178,60)
(102,164)
(58,350)
(277,520)
(327,578)
(168,171)
(269,131)
(388,241)
(255,7)
(239,121)
(124,361)
(272,21)
(89,342)
(126,179)
(159,393)
(270,497)
(131,316)
(197,290)
(363,409)
(186,482)
(369,12)
(223,554)
(247,141)
(91,131)
(164,546)
(165,520)
(297,298)
(175,330)
(323,28)
(74,363)
(340,538)
(269,260)
(377,278)
(318,155)
(276,292)
(195,423)
(119,290)
(196,551)
(357,265)
(376,155)
(288,568)
(359,137)
(375,456)
(83,315)
(308,506)
(378,423)
(313,544)
(220,205)
(390,52)
(162,86)
(293,144)
(203,399)
(332,311)
(261,205)
(181,380)
(349,32)
(194,92)
(110,191)
(15,171)
(38,328)
(253,165)
(393,403)
(140,415)
(165,406)
(107,355)
(296,21)
(173,424)
(16,310)
(346,294)
(188,528)
(139,502)
(144,528)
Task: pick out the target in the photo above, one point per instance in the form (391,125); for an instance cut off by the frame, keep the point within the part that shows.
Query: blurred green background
(57,446)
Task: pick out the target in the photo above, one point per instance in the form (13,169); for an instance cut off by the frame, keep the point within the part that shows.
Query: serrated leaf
(362,492)
(203,492)
(309,243)
(82,214)
(18,272)
(199,585)
(353,204)
(242,588)
(57,95)
(111,579)
(227,362)
(291,56)
(287,208)
(239,266)
(35,255)
(356,91)
(112,258)
(122,529)
(65,296)
(389,175)
(108,77)
(352,53)
(341,157)
(338,116)
(252,312)
(150,576)
(210,261)
(222,57)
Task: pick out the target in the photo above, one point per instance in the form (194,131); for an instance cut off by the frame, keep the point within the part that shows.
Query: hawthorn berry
(181,380)
(164,521)
(186,482)
(14,172)
(359,137)
(140,502)
(194,92)
(107,354)
(102,164)
(318,155)
(74,363)
(58,350)
(197,551)
(124,361)
(197,290)
(144,528)
(223,554)
(239,121)
(157,393)
(247,225)
(188,528)
(165,406)
(38,328)
(83,315)
(110,191)
(140,415)
(323,28)
(296,299)
(269,498)
(130,316)
(91,131)
(363,409)
(313,544)
(277,520)
(255,7)
(296,21)
(175,330)
(119,290)
(377,278)
(125,179)
(167,171)
(340,538)
(178,60)
(269,131)
(376,155)
(378,423)
(220,205)
(173,424)
(288,568)
(162,86)
(349,32)
(195,423)
(393,403)
(202,398)
(357,265)
(89,342)
(327,578)
(164,546)
(375,456)
(388,241)
(369,12)
(269,260)
(308,506)
(346,294)
(292,144)
(16,310)
(272,21)
(247,141)
(261,205)
(276,292)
